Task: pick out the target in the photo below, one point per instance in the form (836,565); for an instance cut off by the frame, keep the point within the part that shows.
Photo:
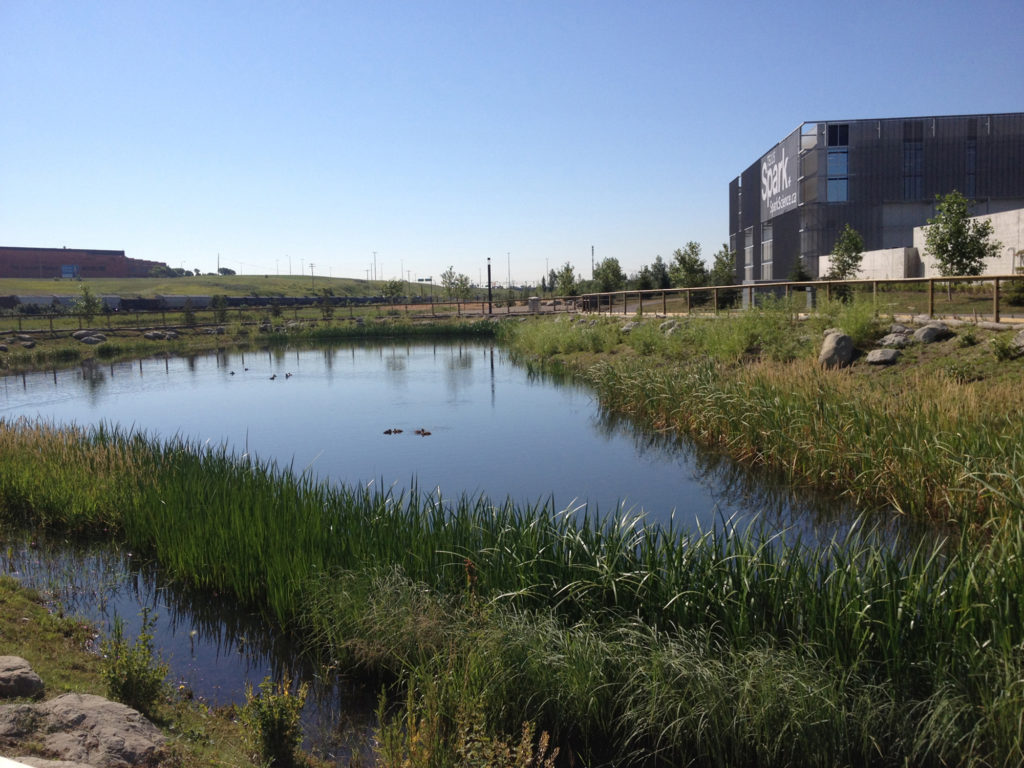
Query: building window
(970,180)
(838,190)
(913,164)
(748,255)
(767,262)
(837,166)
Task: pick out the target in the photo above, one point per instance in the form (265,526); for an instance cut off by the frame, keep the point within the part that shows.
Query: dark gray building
(879,176)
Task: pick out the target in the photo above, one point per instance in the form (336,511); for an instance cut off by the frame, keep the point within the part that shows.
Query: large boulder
(17,679)
(934,331)
(837,351)
(894,340)
(883,356)
(94,730)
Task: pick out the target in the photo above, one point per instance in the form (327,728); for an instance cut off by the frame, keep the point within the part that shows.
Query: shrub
(132,674)
(271,719)
(1003,348)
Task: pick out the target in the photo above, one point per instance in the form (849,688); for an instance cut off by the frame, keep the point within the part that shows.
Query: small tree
(463,286)
(960,245)
(847,254)
(188,312)
(799,273)
(448,278)
(659,273)
(225,271)
(608,275)
(644,279)
(565,282)
(723,272)
(219,302)
(687,269)
(326,304)
(392,289)
(89,305)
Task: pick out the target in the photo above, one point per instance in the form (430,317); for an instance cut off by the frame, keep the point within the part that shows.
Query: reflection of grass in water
(601,628)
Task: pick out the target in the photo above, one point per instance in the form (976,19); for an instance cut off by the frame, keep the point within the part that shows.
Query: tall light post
(489,285)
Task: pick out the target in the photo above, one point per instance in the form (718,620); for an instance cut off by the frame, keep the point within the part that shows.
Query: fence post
(687,292)
(995,301)
(640,303)
(664,303)
(931,297)
(625,303)
(714,296)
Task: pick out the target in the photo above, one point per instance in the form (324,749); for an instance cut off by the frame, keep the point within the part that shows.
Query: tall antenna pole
(591,262)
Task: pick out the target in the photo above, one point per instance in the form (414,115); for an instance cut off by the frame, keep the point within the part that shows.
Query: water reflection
(495,428)
(212,646)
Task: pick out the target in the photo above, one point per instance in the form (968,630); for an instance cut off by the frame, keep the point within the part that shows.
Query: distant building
(879,176)
(71,263)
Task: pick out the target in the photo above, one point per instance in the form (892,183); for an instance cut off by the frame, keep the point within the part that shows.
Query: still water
(494,429)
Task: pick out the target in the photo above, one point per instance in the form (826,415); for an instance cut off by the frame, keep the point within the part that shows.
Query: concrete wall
(1007,228)
(884,264)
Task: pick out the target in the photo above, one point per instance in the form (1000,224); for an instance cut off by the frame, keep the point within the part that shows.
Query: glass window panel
(837,190)
(838,162)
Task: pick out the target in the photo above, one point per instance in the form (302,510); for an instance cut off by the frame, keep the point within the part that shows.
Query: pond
(493,427)
(463,418)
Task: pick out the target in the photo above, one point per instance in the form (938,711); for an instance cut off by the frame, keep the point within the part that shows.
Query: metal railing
(980,297)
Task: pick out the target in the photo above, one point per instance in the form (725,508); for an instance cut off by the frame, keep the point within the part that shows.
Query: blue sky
(436,134)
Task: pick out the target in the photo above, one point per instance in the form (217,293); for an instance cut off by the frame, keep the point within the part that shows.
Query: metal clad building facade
(879,176)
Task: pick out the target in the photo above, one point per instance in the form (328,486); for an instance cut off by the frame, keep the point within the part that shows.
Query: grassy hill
(204,285)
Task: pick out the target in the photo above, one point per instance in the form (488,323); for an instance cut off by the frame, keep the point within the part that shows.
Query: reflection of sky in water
(495,428)
(209,644)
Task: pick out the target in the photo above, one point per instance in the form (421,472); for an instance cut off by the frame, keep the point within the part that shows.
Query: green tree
(89,305)
(225,271)
(463,286)
(687,269)
(188,312)
(723,272)
(326,304)
(552,279)
(392,289)
(799,273)
(960,245)
(644,279)
(448,280)
(565,281)
(847,254)
(723,268)
(608,275)
(659,273)
(219,302)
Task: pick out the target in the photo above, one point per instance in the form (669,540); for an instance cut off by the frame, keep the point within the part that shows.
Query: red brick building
(71,262)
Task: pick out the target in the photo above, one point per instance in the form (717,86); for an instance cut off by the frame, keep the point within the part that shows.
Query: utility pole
(312,275)
(488,285)
(591,262)
(374,265)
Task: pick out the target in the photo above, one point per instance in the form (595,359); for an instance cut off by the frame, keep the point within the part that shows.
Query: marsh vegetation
(626,643)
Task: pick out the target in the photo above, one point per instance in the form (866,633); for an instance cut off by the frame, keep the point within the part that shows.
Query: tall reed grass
(721,647)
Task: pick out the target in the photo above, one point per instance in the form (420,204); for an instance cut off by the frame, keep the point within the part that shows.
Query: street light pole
(489,310)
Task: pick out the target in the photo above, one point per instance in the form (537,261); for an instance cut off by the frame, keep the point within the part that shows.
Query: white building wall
(1007,229)
(885,264)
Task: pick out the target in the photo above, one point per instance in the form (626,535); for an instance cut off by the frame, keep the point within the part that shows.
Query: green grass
(721,648)
(918,439)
